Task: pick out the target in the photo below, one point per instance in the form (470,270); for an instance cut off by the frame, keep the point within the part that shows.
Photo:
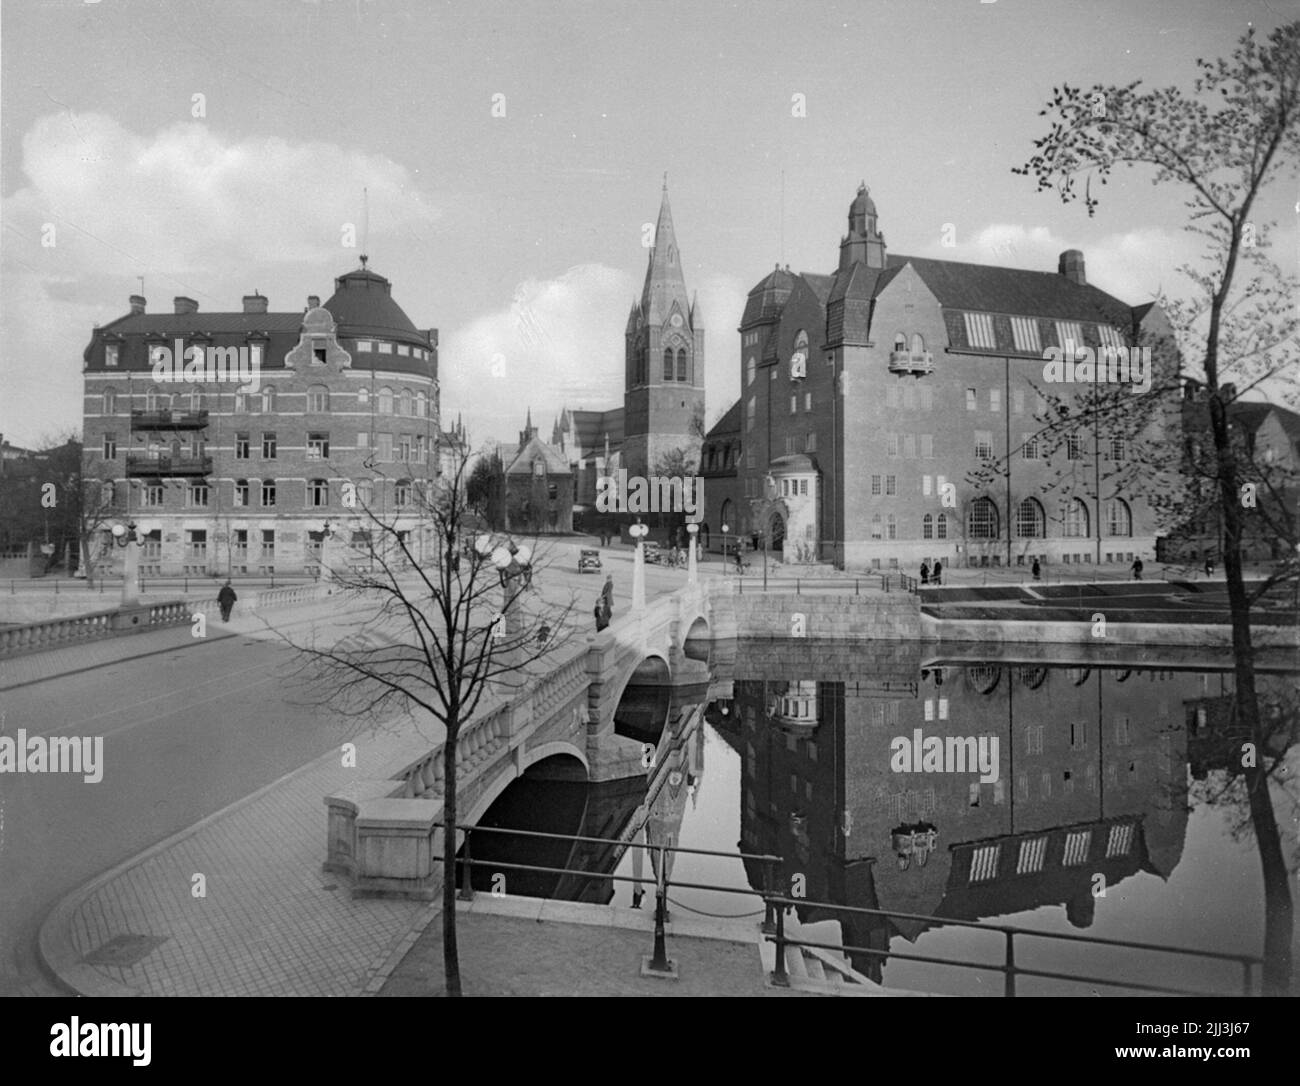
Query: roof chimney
(137,304)
(254,303)
(1071,266)
(313,301)
(185,305)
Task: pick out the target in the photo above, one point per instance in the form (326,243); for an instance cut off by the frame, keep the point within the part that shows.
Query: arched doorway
(776,533)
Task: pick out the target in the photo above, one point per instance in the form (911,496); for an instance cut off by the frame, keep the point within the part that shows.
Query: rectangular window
(1118,448)
(803,487)
(197,544)
(1073,447)
(875,484)
(402,348)
(268,543)
(1109,336)
(363,439)
(1070,336)
(241,494)
(385,348)
(111,352)
(979,331)
(984,444)
(153,496)
(891,443)
(971,400)
(241,446)
(927,397)
(927,446)
(807,401)
(811,444)
(404,448)
(365,345)
(1024,332)
(995,399)
(384,448)
(268,445)
(1018,401)
(1029,443)
(110,446)
(909,446)
(749,414)
(789,445)
(268,493)
(794,403)
(318,446)
(196,497)
(926,482)
(891,485)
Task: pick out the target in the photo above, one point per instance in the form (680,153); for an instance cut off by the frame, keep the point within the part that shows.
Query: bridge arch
(514,770)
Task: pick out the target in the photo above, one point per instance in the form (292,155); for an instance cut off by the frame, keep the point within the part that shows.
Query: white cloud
(192,211)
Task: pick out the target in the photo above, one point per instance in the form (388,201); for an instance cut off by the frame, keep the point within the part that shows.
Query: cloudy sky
(214,149)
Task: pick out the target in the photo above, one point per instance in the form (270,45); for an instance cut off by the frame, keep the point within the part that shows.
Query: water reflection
(859,765)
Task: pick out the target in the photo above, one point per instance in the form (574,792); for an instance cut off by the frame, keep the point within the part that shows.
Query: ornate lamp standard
(692,564)
(124,535)
(725,529)
(638,532)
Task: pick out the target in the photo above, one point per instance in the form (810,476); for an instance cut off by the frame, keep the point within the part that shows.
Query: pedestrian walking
(936,574)
(1209,566)
(1137,569)
(226,601)
(602,614)
(1037,570)
(607,594)
(925,571)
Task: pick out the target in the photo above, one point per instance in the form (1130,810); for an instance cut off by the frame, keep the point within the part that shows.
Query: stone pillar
(131,574)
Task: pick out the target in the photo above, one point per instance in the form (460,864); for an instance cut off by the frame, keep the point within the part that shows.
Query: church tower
(664,374)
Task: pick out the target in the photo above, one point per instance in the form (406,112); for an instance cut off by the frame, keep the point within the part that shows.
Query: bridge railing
(776,904)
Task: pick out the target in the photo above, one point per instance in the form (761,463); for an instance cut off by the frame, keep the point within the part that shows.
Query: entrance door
(776,532)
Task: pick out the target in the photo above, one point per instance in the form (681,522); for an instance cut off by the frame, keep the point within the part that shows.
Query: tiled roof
(217,324)
(537,449)
(727,425)
(1251,416)
(362,305)
(1015,291)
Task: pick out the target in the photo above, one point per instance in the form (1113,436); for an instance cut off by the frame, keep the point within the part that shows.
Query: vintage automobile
(653,555)
(588,560)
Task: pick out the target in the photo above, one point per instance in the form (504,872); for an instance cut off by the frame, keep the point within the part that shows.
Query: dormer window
(111,354)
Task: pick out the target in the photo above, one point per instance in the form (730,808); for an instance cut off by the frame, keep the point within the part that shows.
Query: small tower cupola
(863,243)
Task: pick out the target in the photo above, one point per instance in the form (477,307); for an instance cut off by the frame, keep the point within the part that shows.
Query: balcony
(168,420)
(143,466)
(914,362)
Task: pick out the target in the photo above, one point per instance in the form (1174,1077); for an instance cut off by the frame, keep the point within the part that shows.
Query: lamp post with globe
(129,539)
(638,532)
(725,529)
(692,562)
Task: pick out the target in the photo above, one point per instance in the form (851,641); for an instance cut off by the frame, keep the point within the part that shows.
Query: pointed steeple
(664,282)
(695,309)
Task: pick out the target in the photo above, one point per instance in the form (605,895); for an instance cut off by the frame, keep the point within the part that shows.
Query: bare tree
(449,627)
(1221,144)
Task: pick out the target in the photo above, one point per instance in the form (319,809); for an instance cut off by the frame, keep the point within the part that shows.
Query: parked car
(588,560)
(652,552)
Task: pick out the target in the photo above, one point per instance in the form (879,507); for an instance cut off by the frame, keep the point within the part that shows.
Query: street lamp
(692,563)
(124,535)
(638,532)
(725,529)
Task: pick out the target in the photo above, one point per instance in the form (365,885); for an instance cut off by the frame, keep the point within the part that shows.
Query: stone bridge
(590,715)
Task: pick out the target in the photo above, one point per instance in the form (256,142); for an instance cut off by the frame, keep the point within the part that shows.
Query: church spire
(664,282)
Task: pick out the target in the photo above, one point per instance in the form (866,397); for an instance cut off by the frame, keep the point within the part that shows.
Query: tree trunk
(450,955)
(1278,909)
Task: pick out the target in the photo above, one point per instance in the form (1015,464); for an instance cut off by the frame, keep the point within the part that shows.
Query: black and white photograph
(769,499)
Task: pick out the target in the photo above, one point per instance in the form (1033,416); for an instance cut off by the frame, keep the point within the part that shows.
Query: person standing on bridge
(1137,569)
(1037,570)
(226,601)
(936,574)
(601,611)
(925,571)
(607,595)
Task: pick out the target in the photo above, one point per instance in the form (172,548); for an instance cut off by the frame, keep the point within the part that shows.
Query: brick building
(869,393)
(345,417)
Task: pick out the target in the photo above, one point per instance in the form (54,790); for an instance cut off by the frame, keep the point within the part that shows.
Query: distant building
(868,393)
(538,486)
(345,415)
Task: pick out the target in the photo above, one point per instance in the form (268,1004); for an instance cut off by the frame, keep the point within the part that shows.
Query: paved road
(185,733)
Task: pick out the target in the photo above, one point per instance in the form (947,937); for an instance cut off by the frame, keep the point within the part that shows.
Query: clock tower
(664,376)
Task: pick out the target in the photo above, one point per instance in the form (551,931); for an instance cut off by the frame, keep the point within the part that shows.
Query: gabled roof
(537,449)
(1250,415)
(727,425)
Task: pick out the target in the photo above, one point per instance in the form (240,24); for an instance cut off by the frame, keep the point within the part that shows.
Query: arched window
(363,396)
(421,405)
(982,519)
(668,363)
(318,398)
(927,526)
(318,493)
(402,493)
(156,401)
(750,368)
(1076,520)
(918,344)
(681,364)
(268,399)
(1119,519)
(241,493)
(404,402)
(108,495)
(900,342)
(942,527)
(110,401)
(385,401)
(365,493)
(1031,523)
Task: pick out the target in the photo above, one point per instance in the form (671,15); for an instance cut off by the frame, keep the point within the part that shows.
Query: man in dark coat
(226,601)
